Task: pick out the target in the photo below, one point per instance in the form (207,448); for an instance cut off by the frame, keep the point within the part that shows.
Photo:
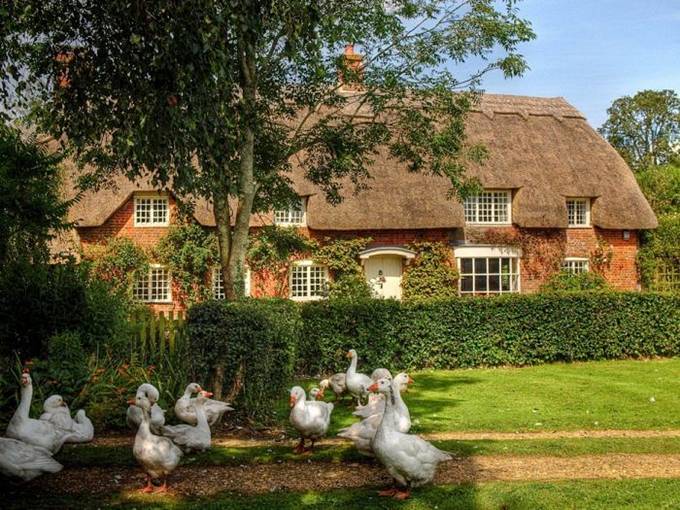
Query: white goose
(134,414)
(357,383)
(157,455)
(381,373)
(337,383)
(376,401)
(36,432)
(309,417)
(409,459)
(25,461)
(184,407)
(192,437)
(362,433)
(57,412)
(316,393)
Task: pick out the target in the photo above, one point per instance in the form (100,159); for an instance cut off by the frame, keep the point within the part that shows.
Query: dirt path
(196,481)
(232,442)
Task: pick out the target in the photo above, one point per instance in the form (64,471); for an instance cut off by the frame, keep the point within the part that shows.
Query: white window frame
(490,252)
(473,203)
(289,217)
(217,283)
(153,197)
(569,265)
(579,200)
(148,283)
(307,295)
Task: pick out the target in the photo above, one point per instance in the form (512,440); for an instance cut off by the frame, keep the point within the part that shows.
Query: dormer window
(151,211)
(578,212)
(293,216)
(491,207)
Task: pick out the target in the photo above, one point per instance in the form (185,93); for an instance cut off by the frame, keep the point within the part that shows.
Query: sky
(594,51)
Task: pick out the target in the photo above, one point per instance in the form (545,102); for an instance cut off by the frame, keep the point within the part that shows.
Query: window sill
(509,224)
(303,299)
(572,227)
(147,225)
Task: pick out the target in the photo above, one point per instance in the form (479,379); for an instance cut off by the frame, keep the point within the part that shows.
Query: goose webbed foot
(148,488)
(402,494)
(300,448)
(387,493)
(164,487)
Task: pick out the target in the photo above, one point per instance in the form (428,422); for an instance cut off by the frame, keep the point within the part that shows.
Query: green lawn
(648,494)
(594,395)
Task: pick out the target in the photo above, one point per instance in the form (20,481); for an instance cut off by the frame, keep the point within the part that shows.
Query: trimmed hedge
(252,342)
(504,330)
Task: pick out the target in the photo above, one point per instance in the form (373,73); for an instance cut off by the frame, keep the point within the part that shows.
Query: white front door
(383,273)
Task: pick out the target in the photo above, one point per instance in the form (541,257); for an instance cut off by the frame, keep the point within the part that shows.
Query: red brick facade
(619,254)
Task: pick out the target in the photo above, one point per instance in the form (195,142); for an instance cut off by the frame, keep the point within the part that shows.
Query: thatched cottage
(552,188)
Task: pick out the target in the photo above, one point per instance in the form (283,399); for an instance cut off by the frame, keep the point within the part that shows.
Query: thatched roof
(542,148)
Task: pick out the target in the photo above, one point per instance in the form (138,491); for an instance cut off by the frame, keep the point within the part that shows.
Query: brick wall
(621,272)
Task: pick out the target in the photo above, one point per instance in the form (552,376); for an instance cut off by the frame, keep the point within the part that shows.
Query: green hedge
(506,330)
(253,342)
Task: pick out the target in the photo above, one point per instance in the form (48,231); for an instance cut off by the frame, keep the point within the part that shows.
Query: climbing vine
(432,274)
(190,253)
(341,256)
(118,261)
(601,256)
(271,253)
(542,250)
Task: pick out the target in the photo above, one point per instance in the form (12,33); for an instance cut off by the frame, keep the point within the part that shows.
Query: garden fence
(159,336)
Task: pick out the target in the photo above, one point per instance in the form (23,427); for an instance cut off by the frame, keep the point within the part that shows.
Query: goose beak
(319,396)
(348,355)
(207,394)
(131,402)
(410,381)
(373,388)
(293,400)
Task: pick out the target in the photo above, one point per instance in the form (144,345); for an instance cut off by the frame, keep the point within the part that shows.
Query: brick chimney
(353,62)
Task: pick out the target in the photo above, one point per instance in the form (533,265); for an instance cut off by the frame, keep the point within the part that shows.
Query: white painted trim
(302,223)
(150,195)
(304,263)
(508,192)
(588,201)
(472,251)
(387,250)
(169,300)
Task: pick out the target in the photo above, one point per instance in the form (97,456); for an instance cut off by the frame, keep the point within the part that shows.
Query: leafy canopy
(219,98)
(645,128)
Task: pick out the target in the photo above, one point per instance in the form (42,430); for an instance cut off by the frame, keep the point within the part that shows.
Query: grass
(631,394)
(643,494)
(84,455)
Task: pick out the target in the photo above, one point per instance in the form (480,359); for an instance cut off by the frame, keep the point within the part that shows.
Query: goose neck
(25,402)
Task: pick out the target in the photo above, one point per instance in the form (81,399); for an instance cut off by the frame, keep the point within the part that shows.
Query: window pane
(466,266)
(505,283)
(480,266)
(493,266)
(494,282)
(480,283)
(505,265)
(466,284)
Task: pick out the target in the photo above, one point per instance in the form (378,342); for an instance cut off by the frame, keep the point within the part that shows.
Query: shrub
(431,274)
(119,262)
(565,281)
(661,252)
(247,348)
(506,330)
(66,365)
(341,256)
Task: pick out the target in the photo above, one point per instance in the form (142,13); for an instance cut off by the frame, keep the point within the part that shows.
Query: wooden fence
(158,336)
(667,277)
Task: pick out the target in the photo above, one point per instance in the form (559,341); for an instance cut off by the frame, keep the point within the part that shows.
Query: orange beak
(132,401)
(319,396)
(348,355)
(293,400)
(410,381)
(207,394)
(200,388)
(373,388)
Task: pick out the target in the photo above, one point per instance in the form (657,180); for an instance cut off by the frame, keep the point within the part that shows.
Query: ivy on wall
(190,253)
(271,253)
(341,256)
(118,261)
(432,274)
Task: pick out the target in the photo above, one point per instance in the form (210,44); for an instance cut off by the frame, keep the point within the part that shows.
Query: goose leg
(402,494)
(388,492)
(300,447)
(311,448)
(164,487)
(149,486)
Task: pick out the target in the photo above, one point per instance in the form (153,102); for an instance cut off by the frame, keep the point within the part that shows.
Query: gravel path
(233,442)
(196,481)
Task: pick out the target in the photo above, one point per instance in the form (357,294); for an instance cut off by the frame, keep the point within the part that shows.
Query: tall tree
(219,98)
(645,128)
(32,210)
